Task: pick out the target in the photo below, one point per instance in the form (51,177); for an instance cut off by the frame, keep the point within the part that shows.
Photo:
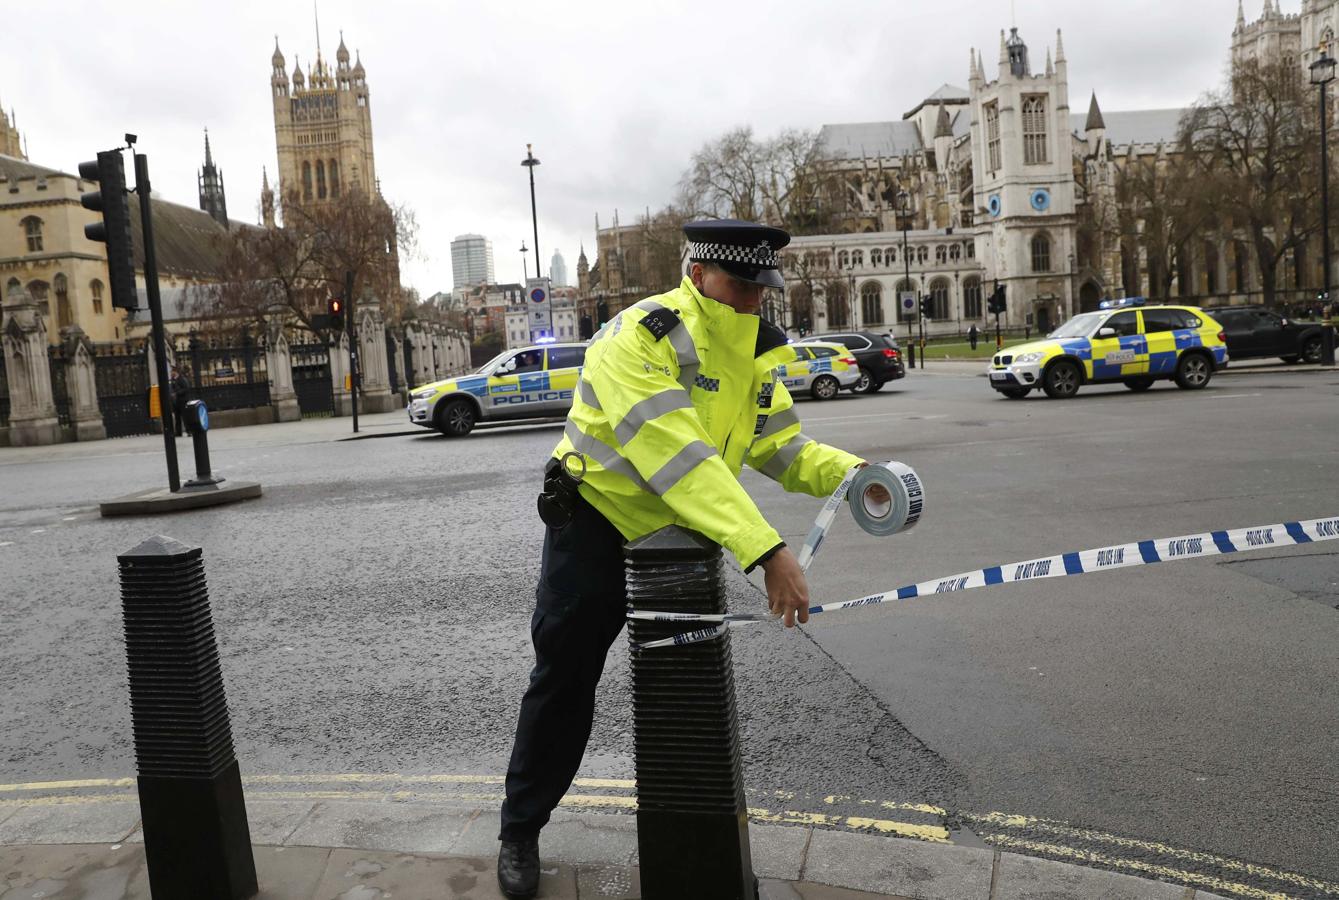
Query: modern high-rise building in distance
(558,269)
(471,260)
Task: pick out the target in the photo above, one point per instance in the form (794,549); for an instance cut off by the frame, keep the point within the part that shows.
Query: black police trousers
(580,607)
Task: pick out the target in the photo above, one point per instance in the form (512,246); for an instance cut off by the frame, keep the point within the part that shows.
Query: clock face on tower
(993,205)
(1041,199)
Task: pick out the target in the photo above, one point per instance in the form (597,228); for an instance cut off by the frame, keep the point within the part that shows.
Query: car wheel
(1015,393)
(876,386)
(1061,380)
(825,387)
(1142,383)
(1193,371)
(1311,350)
(456,419)
(866,383)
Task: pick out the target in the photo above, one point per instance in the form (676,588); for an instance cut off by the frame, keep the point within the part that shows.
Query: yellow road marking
(67,785)
(1163,872)
(1248,868)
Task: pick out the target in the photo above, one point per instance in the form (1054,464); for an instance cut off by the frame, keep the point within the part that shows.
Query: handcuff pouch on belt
(557,502)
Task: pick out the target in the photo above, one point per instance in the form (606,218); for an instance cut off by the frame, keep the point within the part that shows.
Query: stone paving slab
(289,873)
(71,823)
(383,825)
(778,850)
(60,872)
(356,875)
(905,868)
(1028,878)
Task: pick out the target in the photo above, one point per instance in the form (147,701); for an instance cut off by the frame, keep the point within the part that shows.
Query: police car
(533,382)
(821,369)
(1125,341)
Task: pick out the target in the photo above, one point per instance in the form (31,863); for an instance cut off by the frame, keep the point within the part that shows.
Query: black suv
(877,353)
(1256,331)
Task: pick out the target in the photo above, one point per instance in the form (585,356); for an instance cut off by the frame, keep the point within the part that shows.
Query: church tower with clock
(1023,191)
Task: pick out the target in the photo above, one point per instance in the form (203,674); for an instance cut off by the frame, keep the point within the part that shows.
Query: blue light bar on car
(1121,303)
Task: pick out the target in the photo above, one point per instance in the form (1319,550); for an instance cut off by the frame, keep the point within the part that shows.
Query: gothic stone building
(1003,183)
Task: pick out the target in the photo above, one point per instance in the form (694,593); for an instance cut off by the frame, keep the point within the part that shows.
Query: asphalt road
(373,608)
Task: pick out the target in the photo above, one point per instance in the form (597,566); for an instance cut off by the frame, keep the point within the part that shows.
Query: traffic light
(996,303)
(109,171)
(335,309)
(927,306)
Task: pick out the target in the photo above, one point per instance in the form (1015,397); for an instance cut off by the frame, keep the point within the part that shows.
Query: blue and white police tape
(1101,559)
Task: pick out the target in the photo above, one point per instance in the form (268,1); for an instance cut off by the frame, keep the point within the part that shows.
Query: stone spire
(1094,121)
(1050,69)
(1241,18)
(266,199)
(943,127)
(210,182)
(1059,47)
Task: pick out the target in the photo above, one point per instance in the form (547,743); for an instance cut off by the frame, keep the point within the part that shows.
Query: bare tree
(1259,172)
(1161,204)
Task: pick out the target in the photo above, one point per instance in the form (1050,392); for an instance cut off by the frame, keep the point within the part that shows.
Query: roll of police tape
(899,512)
(1084,562)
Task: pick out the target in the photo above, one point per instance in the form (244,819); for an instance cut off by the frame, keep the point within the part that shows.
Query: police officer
(677,393)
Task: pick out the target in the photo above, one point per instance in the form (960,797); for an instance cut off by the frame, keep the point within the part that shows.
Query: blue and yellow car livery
(535,382)
(1126,341)
(820,369)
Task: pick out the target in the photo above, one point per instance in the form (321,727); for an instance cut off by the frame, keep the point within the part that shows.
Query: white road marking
(1230,396)
(6,543)
(897,415)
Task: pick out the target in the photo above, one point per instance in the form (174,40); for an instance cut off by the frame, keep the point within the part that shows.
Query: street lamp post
(525,263)
(530,162)
(1322,73)
(850,294)
(904,210)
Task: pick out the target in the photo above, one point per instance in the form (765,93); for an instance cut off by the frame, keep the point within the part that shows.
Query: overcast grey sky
(615,96)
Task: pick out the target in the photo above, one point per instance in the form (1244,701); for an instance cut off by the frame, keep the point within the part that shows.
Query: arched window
(922,254)
(1034,130)
(95,288)
(334,178)
(939,300)
(971,250)
(890,255)
(871,303)
(1210,267)
(12,289)
(941,255)
(320,180)
(306,180)
(1182,263)
(905,287)
(64,317)
(843,259)
(955,252)
(971,298)
(1239,266)
(876,257)
(1041,252)
(857,257)
(836,306)
(32,230)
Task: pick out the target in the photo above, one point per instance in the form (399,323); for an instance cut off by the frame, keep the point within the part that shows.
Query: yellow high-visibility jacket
(666,423)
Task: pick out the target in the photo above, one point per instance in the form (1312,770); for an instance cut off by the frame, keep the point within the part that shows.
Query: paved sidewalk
(1249,367)
(307,849)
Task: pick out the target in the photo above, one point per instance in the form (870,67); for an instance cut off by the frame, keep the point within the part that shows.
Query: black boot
(518,868)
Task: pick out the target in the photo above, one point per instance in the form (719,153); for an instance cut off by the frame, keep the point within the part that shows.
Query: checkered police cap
(762,255)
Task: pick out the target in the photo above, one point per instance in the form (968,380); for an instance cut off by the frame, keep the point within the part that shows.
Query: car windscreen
(491,364)
(1079,326)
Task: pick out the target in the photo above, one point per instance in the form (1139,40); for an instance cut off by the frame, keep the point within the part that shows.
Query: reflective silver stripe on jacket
(603,454)
(775,467)
(587,394)
(650,408)
(683,462)
(777,421)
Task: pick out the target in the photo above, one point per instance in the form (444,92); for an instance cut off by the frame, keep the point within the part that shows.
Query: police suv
(533,382)
(1124,341)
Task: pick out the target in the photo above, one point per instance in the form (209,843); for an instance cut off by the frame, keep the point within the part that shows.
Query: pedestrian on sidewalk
(179,388)
(972,335)
(678,392)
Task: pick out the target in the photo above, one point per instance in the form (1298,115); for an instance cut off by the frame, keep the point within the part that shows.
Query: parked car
(1256,331)
(821,369)
(877,353)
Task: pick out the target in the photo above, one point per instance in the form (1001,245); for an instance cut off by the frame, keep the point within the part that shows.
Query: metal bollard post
(196,837)
(911,354)
(197,423)
(692,822)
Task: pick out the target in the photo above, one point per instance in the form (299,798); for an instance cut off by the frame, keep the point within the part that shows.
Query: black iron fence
(311,379)
(121,373)
(228,374)
(4,392)
(390,362)
(410,376)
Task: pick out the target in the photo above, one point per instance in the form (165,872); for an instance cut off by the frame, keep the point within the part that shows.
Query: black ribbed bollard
(692,822)
(196,837)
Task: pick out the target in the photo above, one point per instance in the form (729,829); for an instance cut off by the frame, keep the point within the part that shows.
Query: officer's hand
(787,591)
